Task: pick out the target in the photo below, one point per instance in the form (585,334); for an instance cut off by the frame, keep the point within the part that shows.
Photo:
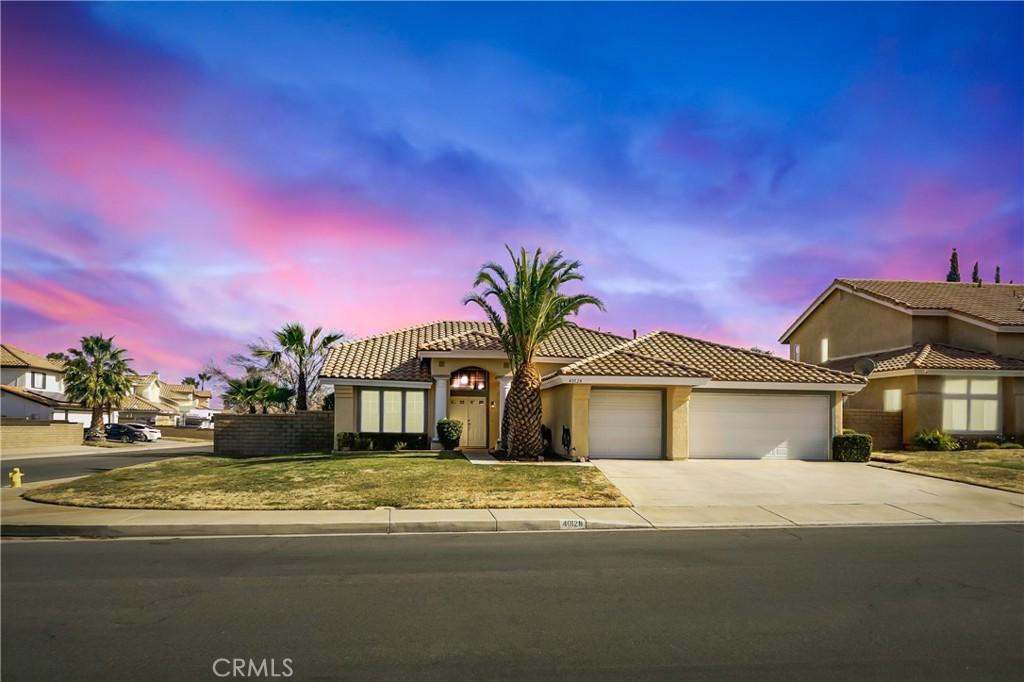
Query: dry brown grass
(1001,469)
(411,480)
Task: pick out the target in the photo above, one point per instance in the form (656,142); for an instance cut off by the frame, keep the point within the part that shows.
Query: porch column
(440,401)
(504,383)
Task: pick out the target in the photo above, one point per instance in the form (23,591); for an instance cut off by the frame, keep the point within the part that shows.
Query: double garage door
(629,424)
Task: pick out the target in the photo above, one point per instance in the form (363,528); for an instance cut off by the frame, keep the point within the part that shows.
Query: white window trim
(380,411)
(823,350)
(32,380)
(796,352)
(971,397)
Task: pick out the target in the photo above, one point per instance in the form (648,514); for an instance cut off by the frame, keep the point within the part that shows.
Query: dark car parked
(125,433)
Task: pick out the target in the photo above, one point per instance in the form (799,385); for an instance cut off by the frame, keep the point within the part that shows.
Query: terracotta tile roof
(471,340)
(932,356)
(143,378)
(199,393)
(392,356)
(728,363)
(1001,304)
(11,356)
(625,363)
(29,395)
(135,403)
(176,391)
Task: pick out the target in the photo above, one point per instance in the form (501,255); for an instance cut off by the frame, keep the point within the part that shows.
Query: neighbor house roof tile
(11,356)
(932,356)
(728,363)
(393,356)
(135,403)
(1001,304)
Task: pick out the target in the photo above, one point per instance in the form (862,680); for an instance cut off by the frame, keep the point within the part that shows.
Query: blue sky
(187,176)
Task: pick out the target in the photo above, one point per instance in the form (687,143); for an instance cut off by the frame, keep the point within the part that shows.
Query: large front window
(392,411)
(970,405)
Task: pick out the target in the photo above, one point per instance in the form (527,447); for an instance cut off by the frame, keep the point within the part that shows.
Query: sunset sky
(188,177)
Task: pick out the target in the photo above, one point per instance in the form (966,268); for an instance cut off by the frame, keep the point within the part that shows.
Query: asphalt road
(47,468)
(882,603)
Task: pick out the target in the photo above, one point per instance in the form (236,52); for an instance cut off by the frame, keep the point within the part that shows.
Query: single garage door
(765,426)
(625,423)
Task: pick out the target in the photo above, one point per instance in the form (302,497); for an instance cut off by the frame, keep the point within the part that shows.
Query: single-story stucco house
(662,395)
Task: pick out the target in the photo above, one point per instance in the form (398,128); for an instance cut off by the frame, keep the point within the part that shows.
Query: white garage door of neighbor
(724,426)
(625,423)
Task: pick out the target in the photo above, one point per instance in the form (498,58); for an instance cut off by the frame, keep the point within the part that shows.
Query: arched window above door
(469,380)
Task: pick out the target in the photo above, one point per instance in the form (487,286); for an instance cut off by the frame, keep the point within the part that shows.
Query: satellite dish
(864,366)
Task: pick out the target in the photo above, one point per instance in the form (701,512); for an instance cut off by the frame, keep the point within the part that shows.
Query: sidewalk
(99,451)
(22,518)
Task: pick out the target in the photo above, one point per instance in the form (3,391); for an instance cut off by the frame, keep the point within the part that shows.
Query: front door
(472,412)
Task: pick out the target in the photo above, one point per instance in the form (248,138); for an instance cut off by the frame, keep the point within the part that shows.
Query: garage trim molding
(779,386)
(625,381)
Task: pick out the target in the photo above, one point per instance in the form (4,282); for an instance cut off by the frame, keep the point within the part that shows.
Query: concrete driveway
(796,490)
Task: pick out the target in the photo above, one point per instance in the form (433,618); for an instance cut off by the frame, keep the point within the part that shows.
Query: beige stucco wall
(853,326)
(344,410)
(568,405)
(677,422)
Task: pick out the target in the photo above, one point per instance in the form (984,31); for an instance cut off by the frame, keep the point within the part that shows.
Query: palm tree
(533,307)
(277,396)
(97,375)
(247,393)
(302,354)
(190,381)
(203,378)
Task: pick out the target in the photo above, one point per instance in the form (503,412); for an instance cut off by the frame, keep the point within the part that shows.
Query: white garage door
(748,426)
(625,423)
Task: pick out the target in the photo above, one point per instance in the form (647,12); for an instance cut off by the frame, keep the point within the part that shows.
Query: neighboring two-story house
(33,388)
(938,355)
(157,402)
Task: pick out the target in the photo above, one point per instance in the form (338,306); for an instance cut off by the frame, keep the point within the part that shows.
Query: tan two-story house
(938,355)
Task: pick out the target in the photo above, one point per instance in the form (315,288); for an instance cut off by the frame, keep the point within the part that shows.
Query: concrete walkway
(94,450)
(21,518)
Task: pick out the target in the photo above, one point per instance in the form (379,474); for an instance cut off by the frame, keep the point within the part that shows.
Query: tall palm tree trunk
(524,413)
(96,424)
(301,393)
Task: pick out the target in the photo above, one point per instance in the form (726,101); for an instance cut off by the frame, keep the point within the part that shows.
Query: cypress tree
(998,278)
(975,277)
(954,268)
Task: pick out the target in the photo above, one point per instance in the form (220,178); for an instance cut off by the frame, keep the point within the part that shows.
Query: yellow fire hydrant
(15,477)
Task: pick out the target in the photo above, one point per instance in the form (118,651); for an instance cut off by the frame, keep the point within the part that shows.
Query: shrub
(1011,445)
(449,431)
(933,439)
(851,447)
(987,445)
(345,440)
(401,445)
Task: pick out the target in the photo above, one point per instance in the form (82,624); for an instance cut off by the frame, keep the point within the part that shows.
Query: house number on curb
(565,524)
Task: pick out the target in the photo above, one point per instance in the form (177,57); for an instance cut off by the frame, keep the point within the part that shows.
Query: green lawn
(1002,469)
(413,480)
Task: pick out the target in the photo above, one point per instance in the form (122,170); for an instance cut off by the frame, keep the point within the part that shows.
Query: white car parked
(150,432)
